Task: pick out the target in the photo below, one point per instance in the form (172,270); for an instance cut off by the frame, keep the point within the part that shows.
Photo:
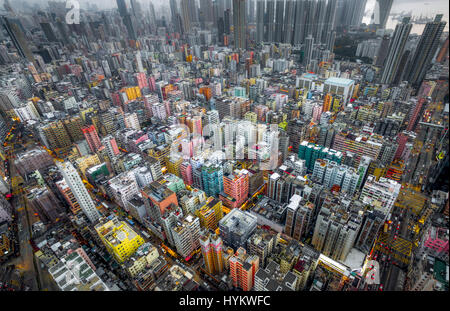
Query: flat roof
(339,81)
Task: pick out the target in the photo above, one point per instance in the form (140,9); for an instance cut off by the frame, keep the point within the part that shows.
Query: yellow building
(86,162)
(161,154)
(144,256)
(251,116)
(173,165)
(210,214)
(132,92)
(120,239)
(84,112)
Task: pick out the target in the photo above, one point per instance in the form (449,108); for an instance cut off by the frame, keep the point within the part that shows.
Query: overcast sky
(417,7)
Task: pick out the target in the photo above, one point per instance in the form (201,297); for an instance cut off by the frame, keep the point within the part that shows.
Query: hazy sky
(417,7)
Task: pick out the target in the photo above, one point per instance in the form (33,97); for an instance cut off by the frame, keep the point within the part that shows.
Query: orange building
(159,195)
(327,102)
(212,251)
(68,195)
(206,91)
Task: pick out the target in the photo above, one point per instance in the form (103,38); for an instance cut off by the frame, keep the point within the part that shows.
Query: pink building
(152,83)
(235,188)
(186,173)
(437,239)
(167,106)
(111,144)
(317,112)
(141,80)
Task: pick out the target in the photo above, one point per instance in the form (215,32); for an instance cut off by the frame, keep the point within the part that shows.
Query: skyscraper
(235,188)
(243,269)
(260,10)
(239,24)
(206,11)
(428,44)
(382,51)
(186,235)
(126,19)
(351,12)
(78,189)
(270,21)
(395,51)
(381,12)
(185,15)
(308,50)
(299,24)
(330,21)
(319,19)
(17,36)
(443,52)
(279,21)
(289,19)
(48,31)
(173,10)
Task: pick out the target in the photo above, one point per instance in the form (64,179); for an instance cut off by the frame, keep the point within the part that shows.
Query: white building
(78,189)
(186,235)
(73,273)
(124,187)
(380,194)
(339,86)
(143,176)
(131,121)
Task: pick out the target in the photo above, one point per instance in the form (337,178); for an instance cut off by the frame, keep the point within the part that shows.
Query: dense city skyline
(226,145)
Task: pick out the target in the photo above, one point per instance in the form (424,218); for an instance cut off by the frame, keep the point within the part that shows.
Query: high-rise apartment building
(210,214)
(13,28)
(380,194)
(56,135)
(358,145)
(381,12)
(261,243)
(236,227)
(311,152)
(335,232)
(243,269)
(186,235)
(90,133)
(425,51)
(299,217)
(212,251)
(395,51)
(240,24)
(235,188)
(79,191)
(212,178)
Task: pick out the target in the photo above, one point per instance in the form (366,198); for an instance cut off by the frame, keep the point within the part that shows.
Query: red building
(416,114)
(243,269)
(90,133)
